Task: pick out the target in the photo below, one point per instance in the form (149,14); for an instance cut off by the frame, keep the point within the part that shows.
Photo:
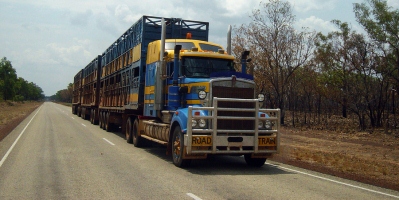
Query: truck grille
(233,92)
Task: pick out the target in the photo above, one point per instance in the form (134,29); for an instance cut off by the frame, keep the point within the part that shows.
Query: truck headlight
(202,123)
(268,124)
(261,97)
(202,95)
(193,123)
(260,125)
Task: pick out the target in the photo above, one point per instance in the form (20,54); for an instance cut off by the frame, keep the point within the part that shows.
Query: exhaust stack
(163,33)
(229,40)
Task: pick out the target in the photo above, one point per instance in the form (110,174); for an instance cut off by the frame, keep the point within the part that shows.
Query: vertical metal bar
(189,130)
(214,123)
(278,130)
(163,36)
(256,127)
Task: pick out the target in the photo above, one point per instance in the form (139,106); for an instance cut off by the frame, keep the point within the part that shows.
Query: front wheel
(137,140)
(254,162)
(178,149)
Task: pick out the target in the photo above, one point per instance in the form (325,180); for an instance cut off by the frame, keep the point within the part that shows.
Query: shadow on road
(219,164)
(214,164)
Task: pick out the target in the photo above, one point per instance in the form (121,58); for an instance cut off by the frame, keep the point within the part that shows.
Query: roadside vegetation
(318,75)
(14,88)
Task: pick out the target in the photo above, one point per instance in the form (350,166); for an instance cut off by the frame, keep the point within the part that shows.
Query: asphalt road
(53,154)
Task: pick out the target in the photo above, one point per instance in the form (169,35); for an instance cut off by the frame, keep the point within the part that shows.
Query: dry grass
(371,158)
(12,113)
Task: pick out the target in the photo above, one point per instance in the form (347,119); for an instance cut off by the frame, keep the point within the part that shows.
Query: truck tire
(83,115)
(137,140)
(128,131)
(91,116)
(95,121)
(107,123)
(100,124)
(102,120)
(178,149)
(254,162)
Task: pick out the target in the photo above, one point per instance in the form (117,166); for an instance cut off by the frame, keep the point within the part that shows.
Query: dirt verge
(364,157)
(13,113)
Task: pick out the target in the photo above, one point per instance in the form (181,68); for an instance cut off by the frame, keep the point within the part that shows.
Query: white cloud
(237,7)
(81,18)
(123,13)
(314,23)
(307,5)
(393,3)
(70,55)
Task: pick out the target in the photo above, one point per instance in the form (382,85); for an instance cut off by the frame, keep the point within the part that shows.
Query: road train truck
(162,81)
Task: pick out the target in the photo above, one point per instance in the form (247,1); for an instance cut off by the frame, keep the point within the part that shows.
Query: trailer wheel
(102,120)
(128,131)
(91,116)
(107,124)
(254,162)
(178,149)
(95,122)
(83,115)
(99,120)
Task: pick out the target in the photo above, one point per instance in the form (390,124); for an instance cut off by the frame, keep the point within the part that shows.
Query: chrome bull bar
(222,137)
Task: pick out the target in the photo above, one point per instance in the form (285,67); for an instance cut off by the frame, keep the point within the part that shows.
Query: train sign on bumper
(267,141)
(198,141)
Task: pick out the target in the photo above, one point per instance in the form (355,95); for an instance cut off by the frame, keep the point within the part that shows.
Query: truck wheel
(100,124)
(83,115)
(254,162)
(107,123)
(178,149)
(91,116)
(137,140)
(128,132)
(95,121)
(103,121)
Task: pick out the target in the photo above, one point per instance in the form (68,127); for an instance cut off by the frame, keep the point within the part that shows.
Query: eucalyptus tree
(381,23)
(277,48)
(332,54)
(8,79)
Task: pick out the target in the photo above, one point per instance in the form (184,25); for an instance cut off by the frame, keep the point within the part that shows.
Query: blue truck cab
(162,81)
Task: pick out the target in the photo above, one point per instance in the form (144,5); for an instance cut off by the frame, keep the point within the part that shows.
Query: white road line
(334,181)
(193,196)
(109,142)
(15,142)
(83,125)
(72,117)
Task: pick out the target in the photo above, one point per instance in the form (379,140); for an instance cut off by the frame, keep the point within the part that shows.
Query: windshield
(208,47)
(184,45)
(203,67)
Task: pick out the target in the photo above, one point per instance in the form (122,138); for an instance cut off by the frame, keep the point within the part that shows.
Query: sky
(49,41)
